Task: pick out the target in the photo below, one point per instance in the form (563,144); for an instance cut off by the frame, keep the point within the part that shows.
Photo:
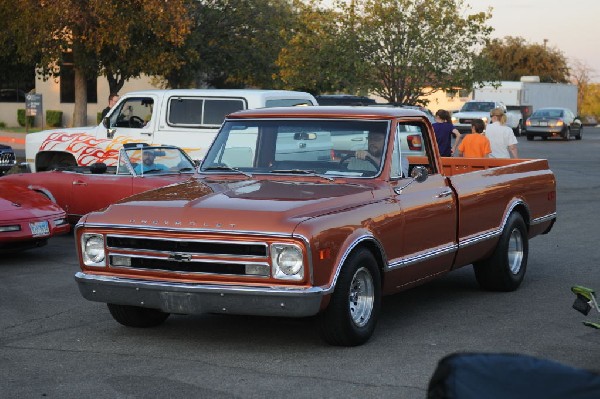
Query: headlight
(485,119)
(287,262)
(454,119)
(92,248)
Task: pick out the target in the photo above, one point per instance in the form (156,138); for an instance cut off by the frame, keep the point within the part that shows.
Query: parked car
(27,219)
(7,158)
(82,189)
(553,122)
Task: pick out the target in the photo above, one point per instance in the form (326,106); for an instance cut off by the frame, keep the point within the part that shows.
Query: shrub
(99,117)
(2,125)
(54,118)
(21,117)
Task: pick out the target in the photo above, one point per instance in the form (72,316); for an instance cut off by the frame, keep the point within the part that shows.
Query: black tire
(519,129)
(580,134)
(505,269)
(530,137)
(135,316)
(567,134)
(352,314)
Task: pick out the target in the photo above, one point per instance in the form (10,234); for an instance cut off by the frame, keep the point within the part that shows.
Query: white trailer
(529,94)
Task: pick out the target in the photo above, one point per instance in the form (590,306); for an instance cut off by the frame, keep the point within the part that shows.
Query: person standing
(112,100)
(502,138)
(444,129)
(475,145)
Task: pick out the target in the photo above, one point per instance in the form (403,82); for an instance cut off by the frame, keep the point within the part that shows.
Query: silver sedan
(553,122)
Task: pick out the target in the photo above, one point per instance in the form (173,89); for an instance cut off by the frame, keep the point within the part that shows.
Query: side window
(197,112)
(133,112)
(411,148)
(287,102)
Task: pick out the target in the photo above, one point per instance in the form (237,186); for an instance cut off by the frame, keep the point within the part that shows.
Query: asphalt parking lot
(55,344)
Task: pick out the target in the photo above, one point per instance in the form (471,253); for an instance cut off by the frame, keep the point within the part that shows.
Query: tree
(581,75)
(412,48)
(321,54)
(514,57)
(120,39)
(236,42)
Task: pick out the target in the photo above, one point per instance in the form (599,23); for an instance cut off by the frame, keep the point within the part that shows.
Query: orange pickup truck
(306,211)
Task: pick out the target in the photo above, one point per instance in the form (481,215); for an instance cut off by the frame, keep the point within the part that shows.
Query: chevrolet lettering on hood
(179,223)
(314,211)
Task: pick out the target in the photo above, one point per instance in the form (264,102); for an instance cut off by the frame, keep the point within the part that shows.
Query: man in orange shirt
(475,145)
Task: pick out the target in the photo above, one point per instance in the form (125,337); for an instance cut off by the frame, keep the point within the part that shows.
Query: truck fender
(359,239)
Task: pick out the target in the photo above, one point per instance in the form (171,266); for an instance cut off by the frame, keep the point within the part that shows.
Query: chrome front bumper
(187,298)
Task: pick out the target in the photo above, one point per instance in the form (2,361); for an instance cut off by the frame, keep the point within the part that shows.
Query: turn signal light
(415,142)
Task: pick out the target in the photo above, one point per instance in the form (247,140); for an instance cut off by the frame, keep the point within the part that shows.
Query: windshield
(327,148)
(154,160)
(478,106)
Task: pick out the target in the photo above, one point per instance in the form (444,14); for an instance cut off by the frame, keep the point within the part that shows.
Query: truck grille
(189,256)
(191,247)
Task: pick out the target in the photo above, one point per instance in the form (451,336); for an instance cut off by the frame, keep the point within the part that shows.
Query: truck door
(133,119)
(427,244)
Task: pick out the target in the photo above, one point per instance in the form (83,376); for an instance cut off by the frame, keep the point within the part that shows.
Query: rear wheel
(519,129)
(505,269)
(350,318)
(579,135)
(135,316)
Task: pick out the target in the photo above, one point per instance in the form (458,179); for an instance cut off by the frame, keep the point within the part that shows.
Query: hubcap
(515,251)
(361,297)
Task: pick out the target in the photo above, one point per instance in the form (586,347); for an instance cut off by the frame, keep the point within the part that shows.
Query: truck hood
(249,205)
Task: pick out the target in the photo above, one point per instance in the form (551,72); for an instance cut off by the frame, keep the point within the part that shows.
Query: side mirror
(419,173)
(105,122)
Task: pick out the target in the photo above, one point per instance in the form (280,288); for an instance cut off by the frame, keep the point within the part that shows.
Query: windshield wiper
(302,172)
(227,168)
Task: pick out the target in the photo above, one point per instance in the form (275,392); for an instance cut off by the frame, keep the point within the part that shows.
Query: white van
(187,118)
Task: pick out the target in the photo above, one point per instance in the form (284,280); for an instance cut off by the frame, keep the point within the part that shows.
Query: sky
(573,27)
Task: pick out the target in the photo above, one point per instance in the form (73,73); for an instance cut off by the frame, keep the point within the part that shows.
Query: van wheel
(135,316)
(505,269)
(350,318)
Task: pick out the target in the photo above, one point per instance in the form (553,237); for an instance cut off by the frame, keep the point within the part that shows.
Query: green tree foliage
(236,42)
(415,47)
(514,57)
(322,52)
(120,39)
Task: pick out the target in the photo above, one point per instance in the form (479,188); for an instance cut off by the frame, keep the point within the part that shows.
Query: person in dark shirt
(112,100)
(444,129)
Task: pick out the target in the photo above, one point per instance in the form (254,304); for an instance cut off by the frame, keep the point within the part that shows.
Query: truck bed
(452,166)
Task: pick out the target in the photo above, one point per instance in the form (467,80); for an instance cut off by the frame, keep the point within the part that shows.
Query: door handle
(146,133)
(79,183)
(445,193)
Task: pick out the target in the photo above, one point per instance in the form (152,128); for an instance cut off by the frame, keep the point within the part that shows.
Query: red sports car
(82,189)
(27,218)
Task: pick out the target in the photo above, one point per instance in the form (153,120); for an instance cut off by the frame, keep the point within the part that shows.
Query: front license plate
(39,228)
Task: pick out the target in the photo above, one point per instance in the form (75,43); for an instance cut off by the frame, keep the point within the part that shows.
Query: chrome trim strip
(477,238)
(196,287)
(423,256)
(183,230)
(543,219)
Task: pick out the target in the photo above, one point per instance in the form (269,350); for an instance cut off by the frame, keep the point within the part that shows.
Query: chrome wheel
(361,297)
(515,251)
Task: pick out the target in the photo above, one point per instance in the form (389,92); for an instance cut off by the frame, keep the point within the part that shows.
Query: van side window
(197,111)
(287,102)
